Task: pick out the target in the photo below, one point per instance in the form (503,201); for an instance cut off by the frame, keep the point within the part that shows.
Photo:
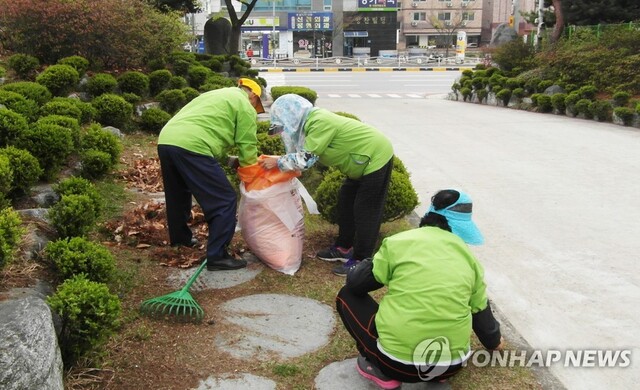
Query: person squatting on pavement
(436,295)
(358,150)
(187,144)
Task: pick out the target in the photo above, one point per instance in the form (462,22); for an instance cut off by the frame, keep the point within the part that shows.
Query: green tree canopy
(184,6)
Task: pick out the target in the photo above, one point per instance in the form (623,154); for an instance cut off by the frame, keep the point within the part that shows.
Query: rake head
(178,305)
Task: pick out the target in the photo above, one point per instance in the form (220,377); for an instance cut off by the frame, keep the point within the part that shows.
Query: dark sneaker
(225,264)
(373,373)
(190,244)
(343,269)
(335,253)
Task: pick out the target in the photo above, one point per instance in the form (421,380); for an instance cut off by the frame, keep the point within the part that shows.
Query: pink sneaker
(373,373)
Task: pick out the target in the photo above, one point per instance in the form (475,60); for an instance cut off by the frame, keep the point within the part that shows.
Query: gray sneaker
(335,253)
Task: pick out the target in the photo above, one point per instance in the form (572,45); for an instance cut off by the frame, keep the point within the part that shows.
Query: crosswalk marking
(393,95)
(333,95)
(372,95)
(353,95)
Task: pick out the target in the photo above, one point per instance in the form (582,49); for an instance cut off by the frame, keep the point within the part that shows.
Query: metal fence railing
(363,62)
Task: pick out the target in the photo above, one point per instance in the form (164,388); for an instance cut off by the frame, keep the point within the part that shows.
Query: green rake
(178,305)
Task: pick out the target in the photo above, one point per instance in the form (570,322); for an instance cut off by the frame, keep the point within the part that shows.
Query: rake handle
(194,276)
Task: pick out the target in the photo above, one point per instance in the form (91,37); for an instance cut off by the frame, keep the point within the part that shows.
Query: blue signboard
(310,21)
(377,5)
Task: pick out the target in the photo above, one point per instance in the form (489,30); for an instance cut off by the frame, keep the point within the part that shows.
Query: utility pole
(273,36)
(540,24)
(516,16)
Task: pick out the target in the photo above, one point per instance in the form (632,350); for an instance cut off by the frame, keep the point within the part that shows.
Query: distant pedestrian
(420,330)
(358,150)
(187,147)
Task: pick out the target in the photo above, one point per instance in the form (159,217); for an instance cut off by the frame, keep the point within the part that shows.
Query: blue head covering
(458,216)
(290,112)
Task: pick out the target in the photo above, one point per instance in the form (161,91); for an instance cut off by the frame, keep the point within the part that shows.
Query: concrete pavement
(557,200)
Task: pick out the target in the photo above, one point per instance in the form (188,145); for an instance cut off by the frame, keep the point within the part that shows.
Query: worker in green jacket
(187,146)
(358,150)
(420,330)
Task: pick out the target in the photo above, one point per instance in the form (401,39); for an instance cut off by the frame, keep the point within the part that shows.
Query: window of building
(444,16)
(413,40)
(468,16)
(417,16)
(327,5)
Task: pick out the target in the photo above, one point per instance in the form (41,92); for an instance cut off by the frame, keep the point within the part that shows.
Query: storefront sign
(261,22)
(377,5)
(363,20)
(311,21)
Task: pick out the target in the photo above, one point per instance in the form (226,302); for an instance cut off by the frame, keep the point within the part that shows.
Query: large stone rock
(503,34)
(29,354)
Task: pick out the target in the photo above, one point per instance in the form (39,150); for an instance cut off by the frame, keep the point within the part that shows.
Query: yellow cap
(255,88)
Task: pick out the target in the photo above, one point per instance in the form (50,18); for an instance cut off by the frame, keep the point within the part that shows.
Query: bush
(544,103)
(99,139)
(18,103)
(6,178)
(518,92)
(73,216)
(190,93)
(558,102)
(25,167)
(59,79)
(588,92)
(89,314)
(12,126)
(61,108)
(87,111)
(112,110)
(134,82)
(583,106)
(24,65)
(543,85)
(198,75)
(534,99)
(626,114)
(11,232)
(158,81)
(570,102)
(347,115)
(514,54)
(602,110)
(401,197)
(466,93)
(51,144)
(95,164)
(154,119)
(270,145)
(66,122)
(30,90)
(80,64)
(177,82)
(621,98)
(131,98)
(305,92)
(77,256)
(80,186)
(482,95)
(171,100)
(101,83)
(504,95)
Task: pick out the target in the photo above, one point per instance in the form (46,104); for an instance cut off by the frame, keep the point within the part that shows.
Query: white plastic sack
(272,224)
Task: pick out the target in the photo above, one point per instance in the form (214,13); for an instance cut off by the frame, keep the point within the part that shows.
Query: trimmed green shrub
(177,82)
(402,198)
(134,82)
(80,64)
(171,100)
(154,119)
(158,81)
(626,114)
(131,98)
(621,98)
(602,110)
(112,110)
(18,103)
(66,122)
(89,315)
(30,90)
(398,166)
(534,99)
(504,95)
(570,102)
(51,144)
(59,79)
(12,126)
(482,95)
(181,67)
(531,85)
(73,216)
(24,65)
(514,54)
(479,83)
(468,72)
(87,111)
(305,92)
(11,232)
(583,106)
(518,92)
(544,103)
(99,139)
(95,164)
(198,75)
(190,93)
(101,83)
(513,83)
(466,93)
(3,71)
(79,186)
(77,256)
(62,108)
(347,115)
(558,102)
(26,169)
(263,126)
(543,85)
(588,92)
(270,145)
(6,176)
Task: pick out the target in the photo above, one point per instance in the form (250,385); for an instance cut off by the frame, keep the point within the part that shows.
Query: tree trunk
(234,39)
(559,26)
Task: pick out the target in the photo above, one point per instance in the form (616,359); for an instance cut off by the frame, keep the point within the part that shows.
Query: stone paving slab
(274,324)
(343,375)
(210,280)
(237,382)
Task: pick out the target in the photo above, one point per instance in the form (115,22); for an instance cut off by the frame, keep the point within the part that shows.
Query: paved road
(558,201)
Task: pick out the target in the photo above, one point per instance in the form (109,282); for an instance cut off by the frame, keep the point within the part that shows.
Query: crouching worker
(436,295)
